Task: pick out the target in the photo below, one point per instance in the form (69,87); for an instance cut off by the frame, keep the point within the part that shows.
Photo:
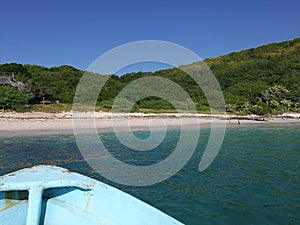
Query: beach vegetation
(12,99)
(260,80)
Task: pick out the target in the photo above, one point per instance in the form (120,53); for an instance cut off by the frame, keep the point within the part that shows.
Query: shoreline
(38,123)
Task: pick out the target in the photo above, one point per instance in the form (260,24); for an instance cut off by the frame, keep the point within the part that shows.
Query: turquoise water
(255,178)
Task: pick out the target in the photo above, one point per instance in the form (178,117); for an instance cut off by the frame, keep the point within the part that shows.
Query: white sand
(49,123)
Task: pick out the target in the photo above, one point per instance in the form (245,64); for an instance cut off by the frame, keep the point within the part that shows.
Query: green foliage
(54,84)
(249,90)
(261,80)
(260,109)
(267,74)
(154,103)
(19,71)
(53,108)
(12,99)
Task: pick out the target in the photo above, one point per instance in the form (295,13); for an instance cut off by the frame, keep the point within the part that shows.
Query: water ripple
(254,180)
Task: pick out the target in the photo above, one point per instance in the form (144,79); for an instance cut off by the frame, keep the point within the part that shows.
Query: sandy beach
(32,123)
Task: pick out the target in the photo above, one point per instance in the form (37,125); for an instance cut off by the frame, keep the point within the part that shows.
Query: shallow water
(255,178)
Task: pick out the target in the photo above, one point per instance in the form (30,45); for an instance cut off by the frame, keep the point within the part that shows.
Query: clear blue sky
(59,32)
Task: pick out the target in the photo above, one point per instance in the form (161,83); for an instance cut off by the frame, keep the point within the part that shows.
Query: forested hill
(260,80)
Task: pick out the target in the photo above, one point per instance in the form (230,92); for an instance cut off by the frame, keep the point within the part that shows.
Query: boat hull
(82,201)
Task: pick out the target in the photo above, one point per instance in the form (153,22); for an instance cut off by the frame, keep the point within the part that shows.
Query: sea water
(255,178)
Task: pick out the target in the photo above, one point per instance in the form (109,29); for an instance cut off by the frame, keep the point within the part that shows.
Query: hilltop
(261,80)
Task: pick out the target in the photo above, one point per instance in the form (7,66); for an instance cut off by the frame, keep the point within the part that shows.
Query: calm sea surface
(255,179)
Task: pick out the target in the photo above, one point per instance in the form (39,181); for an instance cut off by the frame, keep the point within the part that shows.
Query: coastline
(38,123)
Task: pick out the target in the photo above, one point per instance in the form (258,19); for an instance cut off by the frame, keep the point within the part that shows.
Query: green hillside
(255,75)
(261,80)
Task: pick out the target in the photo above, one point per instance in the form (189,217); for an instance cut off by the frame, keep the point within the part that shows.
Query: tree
(286,104)
(12,99)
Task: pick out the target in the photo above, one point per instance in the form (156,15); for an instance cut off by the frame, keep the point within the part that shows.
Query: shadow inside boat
(53,201)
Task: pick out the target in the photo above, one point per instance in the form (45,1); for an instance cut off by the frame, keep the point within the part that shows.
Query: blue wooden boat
(52,195)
